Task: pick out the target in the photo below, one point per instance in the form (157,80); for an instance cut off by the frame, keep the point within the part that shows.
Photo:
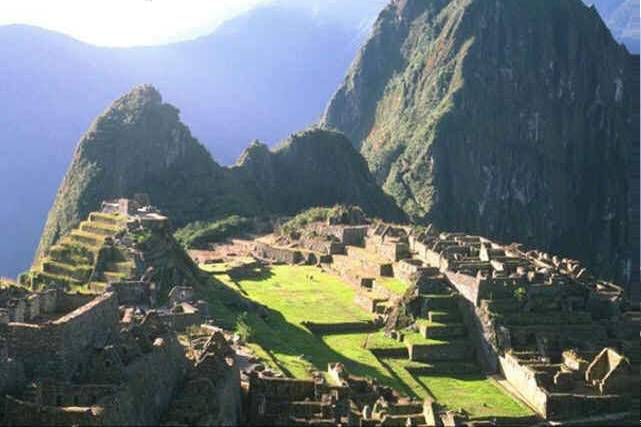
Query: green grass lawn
(394,285)
(475,393)
(297,294)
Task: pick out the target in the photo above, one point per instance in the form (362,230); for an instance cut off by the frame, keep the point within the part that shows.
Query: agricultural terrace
(296,295)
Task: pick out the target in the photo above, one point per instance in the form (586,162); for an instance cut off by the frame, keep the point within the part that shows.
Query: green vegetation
(475,393)
(293,295)
(201,234)
(338,214)
(393,284)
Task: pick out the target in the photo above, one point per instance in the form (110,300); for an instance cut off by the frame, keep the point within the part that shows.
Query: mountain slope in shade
(314,167)
(505,118)
(139,145)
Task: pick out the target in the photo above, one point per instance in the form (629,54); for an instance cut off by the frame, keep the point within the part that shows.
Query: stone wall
(525,382)
(279,255)
(60,394)
(455,350)
(352,235)
(59,348)
(269,398)
(558,406)
(21,413)
(151,381)
(131,292)
(181,321)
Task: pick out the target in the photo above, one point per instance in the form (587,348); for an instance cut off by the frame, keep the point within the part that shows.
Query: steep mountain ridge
(139,145)
(313,167)
(511,119)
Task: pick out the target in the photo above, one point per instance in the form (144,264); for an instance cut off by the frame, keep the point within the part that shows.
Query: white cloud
(125,22)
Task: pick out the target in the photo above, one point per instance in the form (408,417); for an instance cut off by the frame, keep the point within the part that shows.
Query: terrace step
(96,286)
(443,302)
(444,368)
(442,330)
(107,219)
(426,351)
(90,239)
(124,267)
(69,254)
(50,278)
(66,270)
(69,243)
(444,316)
(110,276)
(98,228)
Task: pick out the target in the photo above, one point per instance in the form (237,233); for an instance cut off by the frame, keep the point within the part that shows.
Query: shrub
(201,234)
(338,214)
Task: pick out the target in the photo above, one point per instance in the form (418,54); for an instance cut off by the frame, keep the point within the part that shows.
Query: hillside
(503,118)
(311,168)
(139,145)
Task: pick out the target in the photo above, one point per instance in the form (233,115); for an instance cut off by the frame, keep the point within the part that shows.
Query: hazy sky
(125,22)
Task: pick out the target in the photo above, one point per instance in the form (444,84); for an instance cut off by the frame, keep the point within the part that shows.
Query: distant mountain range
(261,75)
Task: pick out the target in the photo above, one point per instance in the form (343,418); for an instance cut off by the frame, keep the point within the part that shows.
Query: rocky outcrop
(506,118)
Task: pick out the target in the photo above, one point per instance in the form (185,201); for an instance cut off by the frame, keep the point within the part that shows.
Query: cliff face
(506,118)
(139,145)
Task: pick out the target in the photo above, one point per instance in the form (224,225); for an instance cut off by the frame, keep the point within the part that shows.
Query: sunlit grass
(293,295)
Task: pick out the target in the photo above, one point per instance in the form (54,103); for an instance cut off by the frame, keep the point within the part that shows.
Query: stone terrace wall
(269,397)
(20,413)
(58,349)
(90,326)
(524,380)
(151,382)
(282,255)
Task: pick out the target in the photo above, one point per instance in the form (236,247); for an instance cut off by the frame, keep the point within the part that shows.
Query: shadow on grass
(258,272)
(281,340)
(279,336)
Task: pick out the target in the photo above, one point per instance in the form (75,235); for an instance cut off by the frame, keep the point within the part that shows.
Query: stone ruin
(113,354)
(336,399)
(127,247)
(542,321)
(90,361)
(566,342)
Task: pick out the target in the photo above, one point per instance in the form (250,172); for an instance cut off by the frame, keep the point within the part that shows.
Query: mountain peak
(488,117)
(143,94)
